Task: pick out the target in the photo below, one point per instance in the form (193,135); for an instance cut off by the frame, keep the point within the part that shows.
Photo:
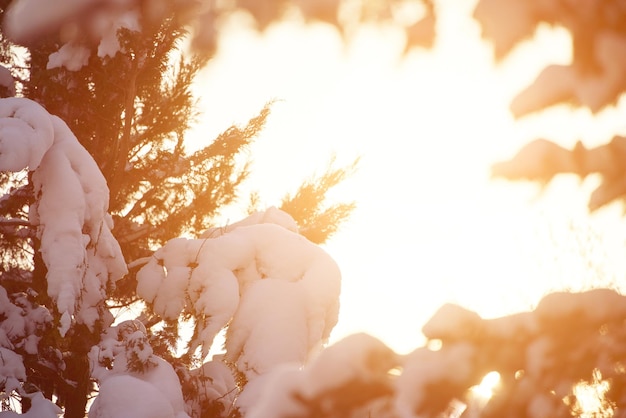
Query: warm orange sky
(431,226)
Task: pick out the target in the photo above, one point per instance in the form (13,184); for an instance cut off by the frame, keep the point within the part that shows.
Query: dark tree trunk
(78,385)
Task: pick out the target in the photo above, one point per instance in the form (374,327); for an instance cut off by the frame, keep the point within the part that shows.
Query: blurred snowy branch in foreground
(541,160)
(563,358)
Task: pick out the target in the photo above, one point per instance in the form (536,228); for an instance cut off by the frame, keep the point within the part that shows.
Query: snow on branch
(21,330)
(341,379)
(278,291)
(540,356)
(139,383)
(541,160)
(543,358)
(594,77)
(70,209)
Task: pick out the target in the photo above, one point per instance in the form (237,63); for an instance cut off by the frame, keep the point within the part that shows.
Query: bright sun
(484,391)
(430,225)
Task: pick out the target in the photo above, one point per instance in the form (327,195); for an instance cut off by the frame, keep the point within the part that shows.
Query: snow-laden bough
(255,276)
(139,384)
(70,210)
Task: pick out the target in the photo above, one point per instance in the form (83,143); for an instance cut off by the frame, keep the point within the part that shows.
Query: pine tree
(131,110)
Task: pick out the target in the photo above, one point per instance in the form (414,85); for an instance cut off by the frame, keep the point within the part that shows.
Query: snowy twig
(139,262)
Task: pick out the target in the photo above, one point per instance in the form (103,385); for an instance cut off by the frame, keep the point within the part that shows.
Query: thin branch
(14,222)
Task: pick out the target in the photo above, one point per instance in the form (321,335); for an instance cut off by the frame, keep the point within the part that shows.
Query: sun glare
(590,398)
(431,226)
(484,391)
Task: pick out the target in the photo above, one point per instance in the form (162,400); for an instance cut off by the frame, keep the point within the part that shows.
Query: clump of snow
(71,56)
(270,327)
(540,355)
(129,396)
(70,211)
(342,377)
(274,395)
(596,305)
(83,26)
(27,20)
(358,357)
(107,25)
(280,290)
(11,369)
(427,374)
(133,381)
(271,215)
(214,382)
(40,408)
(453,322)
(26,134)
(22,326)
(595,76)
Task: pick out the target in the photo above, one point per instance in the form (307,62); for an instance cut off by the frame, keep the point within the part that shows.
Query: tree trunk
(78,385)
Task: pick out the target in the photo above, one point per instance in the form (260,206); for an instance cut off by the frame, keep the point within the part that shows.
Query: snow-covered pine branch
(139,384)
(278,291)
(70,211)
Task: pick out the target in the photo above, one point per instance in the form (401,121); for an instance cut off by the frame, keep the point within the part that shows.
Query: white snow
(269,328)
(71,56)
(20,329)
(452,322)
(216,383)
(356,361)
(271,215)
(273,263)
(274,394)
(70,213)
(26,133)
(508,23)
(359,357)
(425,370)
(11,369)
(139,384)
(40,408)
(94,25)
(27,20)
(129,396)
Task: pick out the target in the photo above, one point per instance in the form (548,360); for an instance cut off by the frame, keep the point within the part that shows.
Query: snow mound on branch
(271,215)
(594,78)
(40,408)
(11,369)
(451,370)
(98,22)
(70,210)
(341,378)
(128,396)
(26,133)
(269,328)
(139,384)
(22,326)
(262,276)
(540,355)
(71,56)
(215,383)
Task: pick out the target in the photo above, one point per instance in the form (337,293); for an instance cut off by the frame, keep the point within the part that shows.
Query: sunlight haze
(430,226)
